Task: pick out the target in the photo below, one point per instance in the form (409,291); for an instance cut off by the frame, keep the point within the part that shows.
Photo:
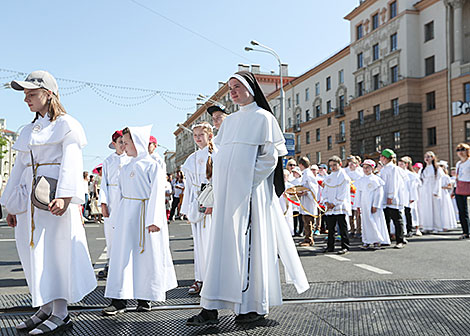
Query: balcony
(340,138)
(296,128)
(339,112)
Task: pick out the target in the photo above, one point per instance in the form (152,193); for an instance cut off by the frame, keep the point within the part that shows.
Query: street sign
(290,143)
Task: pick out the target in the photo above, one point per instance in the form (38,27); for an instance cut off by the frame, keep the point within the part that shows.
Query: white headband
(244,82)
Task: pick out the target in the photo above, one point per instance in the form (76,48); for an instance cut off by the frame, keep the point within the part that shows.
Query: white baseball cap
(39,79)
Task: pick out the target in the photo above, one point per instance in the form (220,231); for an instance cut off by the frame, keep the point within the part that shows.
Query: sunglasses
(461,150)
(291,164)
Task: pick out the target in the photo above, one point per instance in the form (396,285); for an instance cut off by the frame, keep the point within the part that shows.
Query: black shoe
(326,250)
(343,251)
(205,317)
(248,318)
(103,274)
(116,307)
(143,306)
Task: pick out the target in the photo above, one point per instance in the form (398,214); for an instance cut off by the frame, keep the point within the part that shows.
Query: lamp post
(272,52)
(184,128)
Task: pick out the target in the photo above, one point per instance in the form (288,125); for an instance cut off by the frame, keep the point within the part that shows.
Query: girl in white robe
(248,231)
(430,194)
(141,268)
(51,244)
(447,209)
(411,196)
(369,201)
(286,206)
(198,171)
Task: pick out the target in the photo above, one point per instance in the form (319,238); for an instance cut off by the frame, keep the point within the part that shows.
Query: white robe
(354,175)
(249,144)
(336,190)
(446,207)
(370,194)
(287,209)
(395,180)
(134,274)
(413,184)
(110,193)
(429,199)
(307,201)
(159,160)
(194,169)
(59,265)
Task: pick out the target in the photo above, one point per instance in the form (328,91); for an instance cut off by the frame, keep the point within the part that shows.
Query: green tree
(3,143)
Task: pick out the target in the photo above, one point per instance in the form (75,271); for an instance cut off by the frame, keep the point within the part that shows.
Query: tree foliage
(3,143)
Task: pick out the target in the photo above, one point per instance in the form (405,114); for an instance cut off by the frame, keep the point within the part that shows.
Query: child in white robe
(141,268)
(369,202)
(198,171)
(447,209)
(308,201)
(110,195)
(411,193)
(51,244)
(286,205)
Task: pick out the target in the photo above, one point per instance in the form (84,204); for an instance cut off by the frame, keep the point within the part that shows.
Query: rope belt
(142,220)
(35,170)
(294,192)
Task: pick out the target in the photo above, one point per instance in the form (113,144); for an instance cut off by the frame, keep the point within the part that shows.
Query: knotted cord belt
(142,220)
(35,170)
(294,190)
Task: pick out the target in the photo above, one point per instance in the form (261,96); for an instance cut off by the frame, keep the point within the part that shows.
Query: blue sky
(121,43)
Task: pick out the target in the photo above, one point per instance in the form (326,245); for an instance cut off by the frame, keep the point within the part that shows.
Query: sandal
(30,324)
(249,317)
(195,288)
(60,325)
(205,317)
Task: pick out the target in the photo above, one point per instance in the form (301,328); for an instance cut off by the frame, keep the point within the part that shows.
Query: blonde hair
(408,163)
(55,109)
(206,127)
(464,145)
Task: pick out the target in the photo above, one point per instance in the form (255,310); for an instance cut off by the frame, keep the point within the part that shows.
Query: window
(393,9)
(360,117)
(317,136)
(342,153)
(429,31)
(297,99)
(298,119)
(467,131)
(431,101)
(466,92)
(307,94)
(289,122)
(297,144)
(376,82)
(329,142)
(362,147)
(318,154)
(328,121)
(341,105)
(360,89)
(396,140)
(307,137)
(342,128)
(328,83)
(328,106)
(377,112)
(275,110)
(307,115)
(432,140)
(395,107)
(375,21)
(360,61)
(429,65)
(393,42)
(375,52)
(394,74)
(317,111)
(341,76)
(289,103)
(359,32)
(317,89)
(378,143)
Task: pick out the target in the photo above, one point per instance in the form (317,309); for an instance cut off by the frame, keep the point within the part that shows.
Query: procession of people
(244,207)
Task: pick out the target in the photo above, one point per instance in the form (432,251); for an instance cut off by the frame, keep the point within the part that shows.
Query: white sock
(59,309)
(47,308)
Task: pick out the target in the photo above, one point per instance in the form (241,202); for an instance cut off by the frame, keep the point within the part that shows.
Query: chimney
(284,69)
(221,84)
(255,68)
(243,67)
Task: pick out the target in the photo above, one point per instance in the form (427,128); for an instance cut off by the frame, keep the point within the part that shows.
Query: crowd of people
(243,206)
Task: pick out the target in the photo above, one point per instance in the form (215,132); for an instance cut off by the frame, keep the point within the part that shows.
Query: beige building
(8,154)
(403,83)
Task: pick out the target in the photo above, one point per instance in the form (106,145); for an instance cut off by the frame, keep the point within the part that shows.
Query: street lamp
(272,52)
(184,128)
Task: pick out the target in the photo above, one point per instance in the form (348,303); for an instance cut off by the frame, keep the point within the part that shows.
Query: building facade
(403,83)
(7,153)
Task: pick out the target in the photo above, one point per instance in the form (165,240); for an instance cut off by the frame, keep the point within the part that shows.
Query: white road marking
(6,227)
(92,225)
(373,269)
(172,236)
(7,240)
(100,238)
(337,257)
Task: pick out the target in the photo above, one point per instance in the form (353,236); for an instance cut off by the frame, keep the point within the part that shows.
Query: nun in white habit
(141,267)
(248,229)
(51,243)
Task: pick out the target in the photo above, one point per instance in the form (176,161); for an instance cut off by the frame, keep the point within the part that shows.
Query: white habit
(336,190)
(370,194)
(159,160)
(58,266)
(194,169)
(287,209)
(309,200)
(249,142)
(446,207)
(429,199)
(141,268)
(110,193)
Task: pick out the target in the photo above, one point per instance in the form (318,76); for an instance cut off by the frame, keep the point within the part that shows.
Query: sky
(181,47)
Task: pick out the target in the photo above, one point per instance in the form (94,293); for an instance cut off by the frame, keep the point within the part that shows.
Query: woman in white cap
(50,237)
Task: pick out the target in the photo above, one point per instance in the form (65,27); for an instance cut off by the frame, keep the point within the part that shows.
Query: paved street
(361,293)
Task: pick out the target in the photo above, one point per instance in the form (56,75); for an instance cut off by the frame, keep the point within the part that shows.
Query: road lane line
(373,269)
(337,257)
(92,226)
(7,240)
(100,238)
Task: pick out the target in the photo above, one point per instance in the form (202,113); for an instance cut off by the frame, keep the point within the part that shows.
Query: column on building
(458,38)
